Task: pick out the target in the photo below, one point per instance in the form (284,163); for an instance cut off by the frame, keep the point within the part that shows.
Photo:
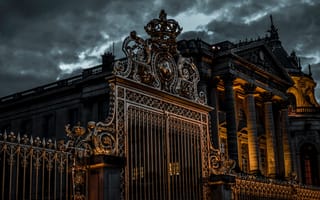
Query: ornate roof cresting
(156,61)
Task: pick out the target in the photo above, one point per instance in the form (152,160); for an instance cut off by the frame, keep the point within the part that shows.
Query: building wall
(45,112)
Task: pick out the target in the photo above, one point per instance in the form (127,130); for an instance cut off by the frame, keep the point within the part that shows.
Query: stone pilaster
(232,139)
(253,146)
(285,140)
(213,101)
(270,135)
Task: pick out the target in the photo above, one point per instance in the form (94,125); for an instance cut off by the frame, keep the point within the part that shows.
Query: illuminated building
(264,119)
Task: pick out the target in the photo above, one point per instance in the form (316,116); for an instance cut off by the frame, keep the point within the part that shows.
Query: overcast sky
(45,40)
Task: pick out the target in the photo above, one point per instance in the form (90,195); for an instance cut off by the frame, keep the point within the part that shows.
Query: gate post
(221,187)
(221,179)
(104,177)
(96,170)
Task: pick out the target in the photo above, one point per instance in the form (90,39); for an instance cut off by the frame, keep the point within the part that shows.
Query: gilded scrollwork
(219,163)
(96,138)
(156,62)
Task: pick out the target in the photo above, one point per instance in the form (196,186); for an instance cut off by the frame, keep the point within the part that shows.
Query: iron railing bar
(148,175)
(192,164)
(186,171)
(179,183)
(186,135)
(31,177)
(49,176)
(43,169)
(131,145)
(152,156)
(10,170)
(168,140)
(24,174)
(183,151)
(160,160)
(136,159)
(87,182)
(189,160)
(139,154)
(55,177)
(196,167)
(60,172)
(174,135)
(172,158)
(178,159)
(156,155)
(3,171)
(17,172)
(159,153)
(37,174)
(175,155)
(199,161)
(144,152)
(67,177)
(168,153)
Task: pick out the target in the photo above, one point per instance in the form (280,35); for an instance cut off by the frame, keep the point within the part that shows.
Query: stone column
(270,134)
(253,146)
(214,114)
(285,140)
(232,138)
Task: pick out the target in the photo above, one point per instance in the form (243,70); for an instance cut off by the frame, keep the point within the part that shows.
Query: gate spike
(5,135)
(31,140)
(18,137)
(43,142)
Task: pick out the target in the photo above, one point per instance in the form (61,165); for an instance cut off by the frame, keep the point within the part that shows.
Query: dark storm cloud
(38,37)
(298,24)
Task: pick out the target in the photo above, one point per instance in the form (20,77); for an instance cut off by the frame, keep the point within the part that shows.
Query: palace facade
(185,120)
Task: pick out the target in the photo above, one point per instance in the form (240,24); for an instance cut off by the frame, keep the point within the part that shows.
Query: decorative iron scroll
(251,187)
(97,137)
(156,61)
(219,163)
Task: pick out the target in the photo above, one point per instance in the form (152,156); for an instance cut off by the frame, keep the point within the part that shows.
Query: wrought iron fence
(250,187)
(34,168)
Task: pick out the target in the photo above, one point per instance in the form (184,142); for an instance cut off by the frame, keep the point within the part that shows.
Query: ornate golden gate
(153,145)
(161,119)
(164,153)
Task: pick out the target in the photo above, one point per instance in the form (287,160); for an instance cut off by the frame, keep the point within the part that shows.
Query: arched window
(309,168)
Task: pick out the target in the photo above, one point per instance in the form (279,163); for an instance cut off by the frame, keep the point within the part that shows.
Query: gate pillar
(104,177)
(221,187)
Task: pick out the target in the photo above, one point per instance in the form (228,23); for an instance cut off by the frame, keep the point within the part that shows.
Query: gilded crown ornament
(163,32)
(156,62)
